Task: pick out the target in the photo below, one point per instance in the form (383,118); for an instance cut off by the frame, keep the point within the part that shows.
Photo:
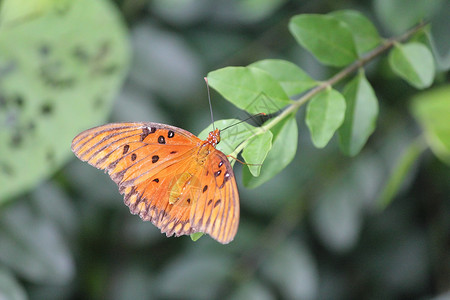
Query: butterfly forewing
(163,177)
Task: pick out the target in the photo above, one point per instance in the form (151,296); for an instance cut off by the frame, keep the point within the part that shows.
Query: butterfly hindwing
(216,211)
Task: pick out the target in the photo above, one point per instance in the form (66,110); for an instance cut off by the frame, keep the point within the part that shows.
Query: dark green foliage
(320,220)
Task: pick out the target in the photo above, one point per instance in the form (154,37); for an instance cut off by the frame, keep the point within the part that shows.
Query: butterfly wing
(216,210)
(158,169)
(143,159)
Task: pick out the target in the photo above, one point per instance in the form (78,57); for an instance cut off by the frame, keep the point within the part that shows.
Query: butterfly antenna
(209,100)
(251,117)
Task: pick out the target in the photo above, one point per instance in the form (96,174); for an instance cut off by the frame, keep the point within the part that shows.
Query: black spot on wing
(125,149)
(145,133)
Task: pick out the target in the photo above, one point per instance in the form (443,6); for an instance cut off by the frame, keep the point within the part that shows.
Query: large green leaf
(33,246)
(324,114)
(284,147)
(59,73)
(293,79)
(432,110)
(414,63)
(360,115)
(365,35)
(328,39)
(250,89)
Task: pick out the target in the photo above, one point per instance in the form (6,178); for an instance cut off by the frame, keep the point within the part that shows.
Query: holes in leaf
(44,50)
(46,109)
(98,102)
(50,156)
(18,101)
(6,169)
(16,139)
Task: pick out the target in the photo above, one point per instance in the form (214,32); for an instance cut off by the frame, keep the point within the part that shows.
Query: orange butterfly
(167,175)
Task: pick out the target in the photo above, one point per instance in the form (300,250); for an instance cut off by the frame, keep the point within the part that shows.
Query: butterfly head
(214,137)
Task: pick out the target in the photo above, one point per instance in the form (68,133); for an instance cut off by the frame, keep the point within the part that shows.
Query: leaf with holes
(59,72)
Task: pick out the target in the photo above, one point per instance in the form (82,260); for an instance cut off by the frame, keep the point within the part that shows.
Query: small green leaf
(414,63)
(196,236)
(232,137)
(360,115)
(324,114)
(365,35)
(250,89)
(432,110)
(256,151)
(293,79)
(284,147)
(328,39)
(400,171)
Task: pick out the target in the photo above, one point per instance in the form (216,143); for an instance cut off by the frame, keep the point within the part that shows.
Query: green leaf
(404,165)
(62,73)
(250,89)
(34,247)
(337,212)
(210,267)
(397,16)
(414,63)
(432,111)
(324,114)
(284,266)
(284,147)
(293,79)
(10,288)
(328,39)
(252,289)
(365,35)
(196,236)
(14,12)
(256,151)
(232,137)
(360,115)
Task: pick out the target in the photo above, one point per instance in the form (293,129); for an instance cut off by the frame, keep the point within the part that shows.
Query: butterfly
(168,176)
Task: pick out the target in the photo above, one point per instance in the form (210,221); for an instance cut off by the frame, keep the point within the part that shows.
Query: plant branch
(368,57)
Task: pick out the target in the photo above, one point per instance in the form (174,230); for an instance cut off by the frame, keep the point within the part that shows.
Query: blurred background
(315,231)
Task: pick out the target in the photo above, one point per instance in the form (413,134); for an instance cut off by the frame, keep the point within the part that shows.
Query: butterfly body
(167,175)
